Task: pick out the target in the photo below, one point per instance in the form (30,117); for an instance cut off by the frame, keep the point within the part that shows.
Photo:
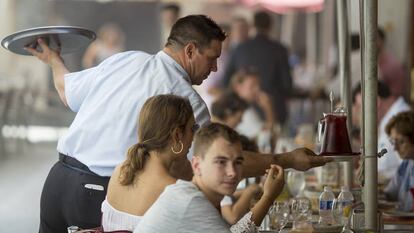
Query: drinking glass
(338,212)
(294,208)
(279,215)
(304,205)
(296,183)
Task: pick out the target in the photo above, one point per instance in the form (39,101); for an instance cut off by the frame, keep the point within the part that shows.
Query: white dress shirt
(108,99)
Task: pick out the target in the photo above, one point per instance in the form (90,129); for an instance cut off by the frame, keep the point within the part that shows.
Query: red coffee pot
(332,128)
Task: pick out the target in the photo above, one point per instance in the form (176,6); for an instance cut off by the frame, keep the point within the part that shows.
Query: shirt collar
(167,59)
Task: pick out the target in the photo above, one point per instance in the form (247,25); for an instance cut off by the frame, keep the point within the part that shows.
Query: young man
(194,206)
(107,98)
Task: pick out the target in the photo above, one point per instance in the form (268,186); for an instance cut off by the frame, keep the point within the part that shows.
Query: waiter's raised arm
(54,60)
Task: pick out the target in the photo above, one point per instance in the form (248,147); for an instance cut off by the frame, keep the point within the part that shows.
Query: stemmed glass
(294,208)
(338,212)
(279,215)
(296,183)
(304,207)
(342,215)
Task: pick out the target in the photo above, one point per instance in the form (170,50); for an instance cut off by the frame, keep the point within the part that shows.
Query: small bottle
(325,206)
(345,201)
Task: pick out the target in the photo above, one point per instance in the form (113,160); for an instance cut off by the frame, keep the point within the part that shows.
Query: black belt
(74,164)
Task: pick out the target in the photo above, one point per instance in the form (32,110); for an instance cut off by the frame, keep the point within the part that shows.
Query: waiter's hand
(48,55)
(303,159)
(53,59)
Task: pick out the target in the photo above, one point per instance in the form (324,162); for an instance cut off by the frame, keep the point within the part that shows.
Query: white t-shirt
(388,164)
(183,208)
(108,99)
(227,200)
(251,123)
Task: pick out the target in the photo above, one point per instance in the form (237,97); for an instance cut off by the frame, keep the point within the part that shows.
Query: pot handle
(321,128)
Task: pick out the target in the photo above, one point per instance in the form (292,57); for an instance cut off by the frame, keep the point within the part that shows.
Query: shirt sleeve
(78,85)
(201,113)
(392,188)
(245,225)
(227,200)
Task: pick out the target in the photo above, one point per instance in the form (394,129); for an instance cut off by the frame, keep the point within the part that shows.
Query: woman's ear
(177,135)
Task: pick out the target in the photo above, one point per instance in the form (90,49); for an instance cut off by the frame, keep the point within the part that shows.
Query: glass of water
(279,215)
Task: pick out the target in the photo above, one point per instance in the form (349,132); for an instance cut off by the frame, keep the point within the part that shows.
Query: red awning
(285,6)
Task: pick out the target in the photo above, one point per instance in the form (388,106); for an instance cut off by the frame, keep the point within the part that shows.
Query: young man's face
(220,169)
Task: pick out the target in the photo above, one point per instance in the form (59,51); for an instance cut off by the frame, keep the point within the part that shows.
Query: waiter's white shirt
(108,98)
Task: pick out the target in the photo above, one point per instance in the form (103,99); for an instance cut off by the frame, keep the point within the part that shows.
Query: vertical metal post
(370,112)
(344,68)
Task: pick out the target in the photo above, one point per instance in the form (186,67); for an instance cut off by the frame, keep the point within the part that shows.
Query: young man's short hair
(206,135)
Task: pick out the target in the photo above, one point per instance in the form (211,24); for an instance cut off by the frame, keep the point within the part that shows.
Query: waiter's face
(203,61)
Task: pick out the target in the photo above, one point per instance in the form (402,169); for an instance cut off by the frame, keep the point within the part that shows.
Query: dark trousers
(71,196)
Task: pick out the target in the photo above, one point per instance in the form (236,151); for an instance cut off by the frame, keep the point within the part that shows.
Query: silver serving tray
(69,39)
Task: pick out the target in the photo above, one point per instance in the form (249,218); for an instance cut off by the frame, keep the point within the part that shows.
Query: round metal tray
(69,39)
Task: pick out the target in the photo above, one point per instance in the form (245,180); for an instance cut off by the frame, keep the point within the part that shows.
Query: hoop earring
(181,150)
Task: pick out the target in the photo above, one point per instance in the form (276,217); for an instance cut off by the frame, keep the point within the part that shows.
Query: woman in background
(400,130)
(110,41)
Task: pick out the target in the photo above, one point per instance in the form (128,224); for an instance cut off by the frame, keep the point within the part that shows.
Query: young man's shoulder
(186,189)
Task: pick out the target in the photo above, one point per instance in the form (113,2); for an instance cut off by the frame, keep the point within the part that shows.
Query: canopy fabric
(286,6)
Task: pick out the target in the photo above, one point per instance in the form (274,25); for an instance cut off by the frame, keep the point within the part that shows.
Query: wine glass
(338,212)
(279,215)
(296,183)
(304,207)
(294,208)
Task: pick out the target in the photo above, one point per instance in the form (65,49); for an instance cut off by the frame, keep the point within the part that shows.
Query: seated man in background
(400,130)
(194,206)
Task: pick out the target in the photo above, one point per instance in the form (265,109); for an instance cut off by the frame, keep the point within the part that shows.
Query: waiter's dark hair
(199,29)
(158,118)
